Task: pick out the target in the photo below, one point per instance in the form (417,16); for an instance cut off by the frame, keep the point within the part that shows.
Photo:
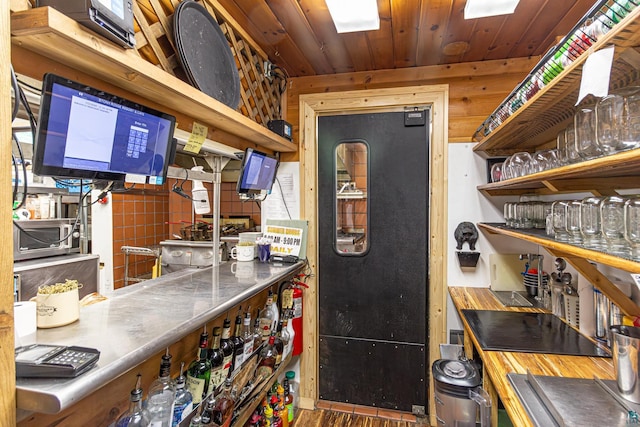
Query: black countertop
(528,332)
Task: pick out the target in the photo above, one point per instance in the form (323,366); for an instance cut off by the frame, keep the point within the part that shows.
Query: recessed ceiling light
(354,15)
(482,8)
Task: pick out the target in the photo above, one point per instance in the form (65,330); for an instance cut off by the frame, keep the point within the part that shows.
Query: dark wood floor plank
(325,418)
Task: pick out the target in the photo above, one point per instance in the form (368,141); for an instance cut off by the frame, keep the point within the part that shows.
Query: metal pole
(215,220)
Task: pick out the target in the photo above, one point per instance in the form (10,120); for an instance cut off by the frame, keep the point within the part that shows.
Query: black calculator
(54,361)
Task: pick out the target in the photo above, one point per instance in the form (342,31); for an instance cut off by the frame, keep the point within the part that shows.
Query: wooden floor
(327,418)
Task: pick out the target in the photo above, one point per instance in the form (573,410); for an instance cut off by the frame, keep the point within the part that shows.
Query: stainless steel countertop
(140,320)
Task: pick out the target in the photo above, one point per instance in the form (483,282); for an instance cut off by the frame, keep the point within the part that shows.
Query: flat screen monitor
(89,134)
(258,172)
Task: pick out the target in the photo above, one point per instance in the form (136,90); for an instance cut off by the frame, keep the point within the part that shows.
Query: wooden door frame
(7,356)
(368,101)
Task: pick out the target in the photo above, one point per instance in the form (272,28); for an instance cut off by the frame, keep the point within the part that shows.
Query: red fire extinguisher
(296,320)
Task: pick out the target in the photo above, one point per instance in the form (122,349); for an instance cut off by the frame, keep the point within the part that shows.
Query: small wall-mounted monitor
(257,173)
(89,134)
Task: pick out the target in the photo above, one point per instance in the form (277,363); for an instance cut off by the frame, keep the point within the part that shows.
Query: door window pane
(352,206)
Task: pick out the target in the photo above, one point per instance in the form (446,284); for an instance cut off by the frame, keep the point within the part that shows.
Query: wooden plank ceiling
(299,36)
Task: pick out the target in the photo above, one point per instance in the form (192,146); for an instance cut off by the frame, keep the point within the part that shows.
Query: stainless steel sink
(513,298)
(560,401)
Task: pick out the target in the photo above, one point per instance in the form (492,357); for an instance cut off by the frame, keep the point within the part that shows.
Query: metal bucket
(626,362)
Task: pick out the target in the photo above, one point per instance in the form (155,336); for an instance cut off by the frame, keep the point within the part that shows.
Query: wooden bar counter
(497,364)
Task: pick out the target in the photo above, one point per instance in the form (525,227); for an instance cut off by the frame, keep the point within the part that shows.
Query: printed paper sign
(596,73)
(196,139)
(284,240)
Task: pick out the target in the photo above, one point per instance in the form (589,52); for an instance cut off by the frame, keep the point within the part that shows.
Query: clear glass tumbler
(520,164)
(559,215)
(630,132)
(612,217)
(496,172)
(561,146)
(618,120)
(591,224)
(507,211)
(632,225)
(573,221)
(507,172)
(585,129)
(570,149)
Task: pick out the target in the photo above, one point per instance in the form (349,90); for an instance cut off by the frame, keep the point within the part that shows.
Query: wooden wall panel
(475,89)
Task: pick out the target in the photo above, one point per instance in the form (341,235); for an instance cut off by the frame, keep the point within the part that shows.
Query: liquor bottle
(286,338)
(257,332)
(183,403)
(135,415)
(247,335)
(267,362)
(290,330)
(199,372)
(238,345)
(269,319)
(279,344)
(223,408)
(162,394)
(227,348)
(216,358)
(206,416)
(196,421)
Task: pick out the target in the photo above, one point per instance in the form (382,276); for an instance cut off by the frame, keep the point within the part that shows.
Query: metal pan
(205,54)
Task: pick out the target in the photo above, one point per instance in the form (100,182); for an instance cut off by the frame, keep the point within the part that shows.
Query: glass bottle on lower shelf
(161,396)
(223,408)
(206,416)
(267,361)
(183,403)
(238,346)
(227,348)
(199,372)
(216,358)
(135,415)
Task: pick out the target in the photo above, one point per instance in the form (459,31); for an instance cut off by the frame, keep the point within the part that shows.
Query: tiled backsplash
(145,218)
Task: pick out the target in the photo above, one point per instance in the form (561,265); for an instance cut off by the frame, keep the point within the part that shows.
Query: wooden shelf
(51,34)
(536,124)
(579,258)
(247,410)
(540,238)
(600,176)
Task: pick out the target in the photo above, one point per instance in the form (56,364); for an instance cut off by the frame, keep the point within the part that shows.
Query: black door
(373,295)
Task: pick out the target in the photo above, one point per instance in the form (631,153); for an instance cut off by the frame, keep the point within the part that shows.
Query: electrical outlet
(268,70)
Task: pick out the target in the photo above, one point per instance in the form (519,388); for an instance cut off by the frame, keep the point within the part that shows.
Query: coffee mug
(264,252)
(243,252)
(59,309)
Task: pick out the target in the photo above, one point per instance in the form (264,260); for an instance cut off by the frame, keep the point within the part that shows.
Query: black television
(257,173)
(86,133)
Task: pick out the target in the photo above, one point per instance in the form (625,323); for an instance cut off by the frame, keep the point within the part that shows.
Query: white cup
(57,309)
(243,252)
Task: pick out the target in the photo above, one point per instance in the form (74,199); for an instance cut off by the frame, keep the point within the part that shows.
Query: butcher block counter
(497,364)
